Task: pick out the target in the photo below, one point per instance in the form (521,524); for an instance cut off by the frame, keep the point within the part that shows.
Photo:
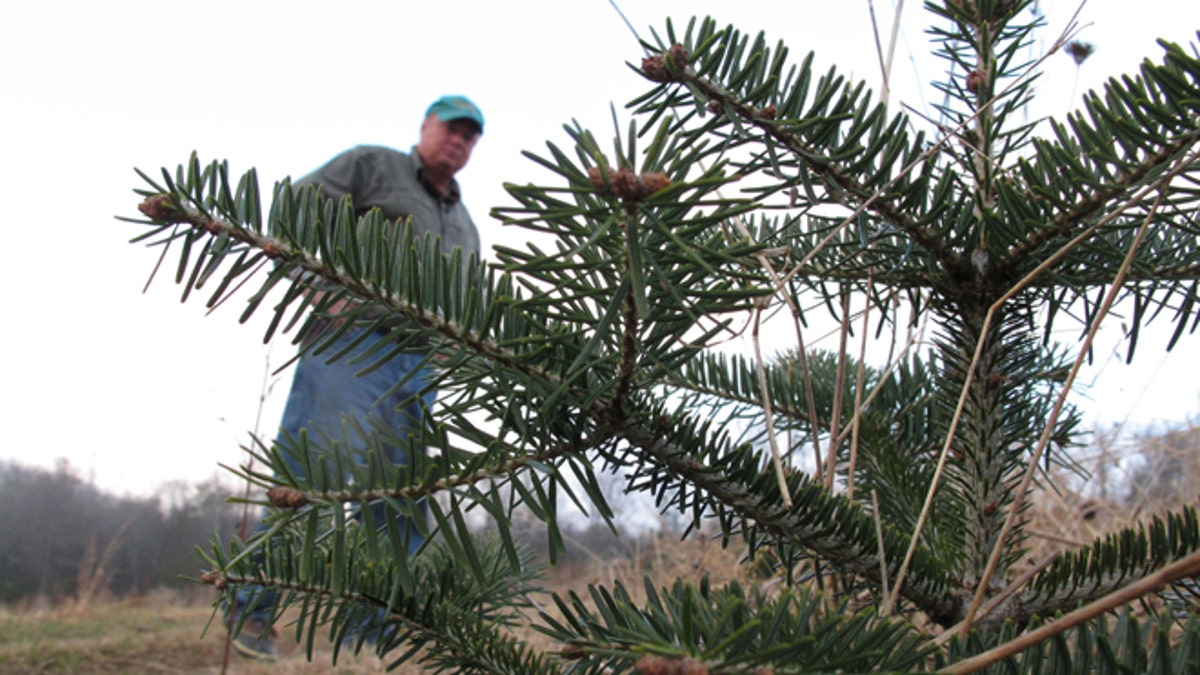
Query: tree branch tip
(667,66)
(160,207)
(214,579)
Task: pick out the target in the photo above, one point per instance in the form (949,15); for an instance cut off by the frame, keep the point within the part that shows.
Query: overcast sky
(138,389)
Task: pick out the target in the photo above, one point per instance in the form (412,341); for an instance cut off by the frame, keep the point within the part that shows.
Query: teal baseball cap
(448,108)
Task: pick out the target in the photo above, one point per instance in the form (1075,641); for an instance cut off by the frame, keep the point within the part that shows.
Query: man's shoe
(255,640)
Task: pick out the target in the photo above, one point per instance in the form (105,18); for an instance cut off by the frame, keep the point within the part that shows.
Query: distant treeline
(61,537)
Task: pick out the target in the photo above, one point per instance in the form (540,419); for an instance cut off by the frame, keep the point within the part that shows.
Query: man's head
(451,128)
(450,108)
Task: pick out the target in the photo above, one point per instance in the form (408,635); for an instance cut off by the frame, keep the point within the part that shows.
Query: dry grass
(171,632)
(1131,481)
(162,633)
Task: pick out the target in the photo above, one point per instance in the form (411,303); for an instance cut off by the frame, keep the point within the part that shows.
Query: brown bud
(654,68)
(159,207)
(679,56)
(660,66)
(1002,9)
(975,79)
(653,182)
(768,112)
(713,106)
(215,579)
(1080,51)
(271,249)
(625,184)
(284,497)
(596,177)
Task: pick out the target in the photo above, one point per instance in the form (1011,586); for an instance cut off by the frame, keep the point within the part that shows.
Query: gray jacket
(376,176)
(392,180)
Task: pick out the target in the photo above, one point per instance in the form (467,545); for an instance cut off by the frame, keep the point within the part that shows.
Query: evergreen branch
(887,417)
(814,159)
(1077,178)
(288,495)
(760,367)
(832,527)
(1181,569)
(1096,203)
(495,310)
(1125,645)
(985,358)
(1022,491)
(1084,575)
(676,65)
(706,629)
(458,619)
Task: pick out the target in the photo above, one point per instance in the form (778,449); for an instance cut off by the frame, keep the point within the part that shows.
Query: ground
(148,635)
(175,631)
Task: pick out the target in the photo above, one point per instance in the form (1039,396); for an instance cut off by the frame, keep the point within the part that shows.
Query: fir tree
(887,497)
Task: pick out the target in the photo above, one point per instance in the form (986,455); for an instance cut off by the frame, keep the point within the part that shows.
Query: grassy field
(150,635)
(168,632)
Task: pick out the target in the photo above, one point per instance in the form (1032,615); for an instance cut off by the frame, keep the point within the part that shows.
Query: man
(329,400)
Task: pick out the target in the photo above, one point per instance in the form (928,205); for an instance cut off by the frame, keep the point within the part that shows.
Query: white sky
(136,390)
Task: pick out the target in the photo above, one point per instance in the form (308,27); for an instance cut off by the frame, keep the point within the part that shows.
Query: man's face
(447,146)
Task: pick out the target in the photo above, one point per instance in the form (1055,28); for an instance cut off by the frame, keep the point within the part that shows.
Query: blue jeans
(333,404)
